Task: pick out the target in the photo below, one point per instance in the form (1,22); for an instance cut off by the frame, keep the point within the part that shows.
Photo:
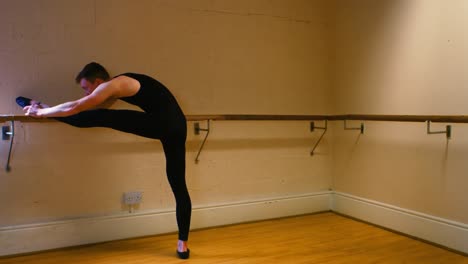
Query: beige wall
(271,57)
(266,57)
(402,57)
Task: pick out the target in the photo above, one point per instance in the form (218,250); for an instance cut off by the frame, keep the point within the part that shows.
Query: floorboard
(320,238)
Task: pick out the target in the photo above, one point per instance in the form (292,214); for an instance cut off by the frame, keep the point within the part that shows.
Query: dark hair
(91,72)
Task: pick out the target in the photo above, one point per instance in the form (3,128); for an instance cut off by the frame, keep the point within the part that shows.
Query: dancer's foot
(23,101)
(182,250)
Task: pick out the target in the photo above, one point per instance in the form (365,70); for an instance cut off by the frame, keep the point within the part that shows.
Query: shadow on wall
(239,144)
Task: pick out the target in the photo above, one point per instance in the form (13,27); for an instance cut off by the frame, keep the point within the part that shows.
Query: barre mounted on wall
(312,129)
(360,128)
(197,130)
(389,118)
(344,118)
(8,131)
(447,132)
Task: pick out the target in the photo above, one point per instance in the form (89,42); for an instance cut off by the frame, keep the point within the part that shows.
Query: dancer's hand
(32,111)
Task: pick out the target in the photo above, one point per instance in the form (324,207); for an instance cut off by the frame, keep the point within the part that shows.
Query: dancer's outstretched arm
(101,94)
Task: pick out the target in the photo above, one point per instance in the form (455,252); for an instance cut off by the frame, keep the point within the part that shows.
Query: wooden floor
(319,238)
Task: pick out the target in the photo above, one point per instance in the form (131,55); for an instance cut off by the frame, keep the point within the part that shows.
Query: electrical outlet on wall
(132,198)
(6,132)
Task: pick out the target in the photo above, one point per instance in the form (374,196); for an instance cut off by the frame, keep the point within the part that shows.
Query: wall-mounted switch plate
(131,198)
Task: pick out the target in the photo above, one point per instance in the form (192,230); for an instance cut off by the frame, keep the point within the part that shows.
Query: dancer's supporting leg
(172,135)
(174,149)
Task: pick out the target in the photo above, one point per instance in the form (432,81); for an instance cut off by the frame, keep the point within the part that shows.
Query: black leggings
(172,132)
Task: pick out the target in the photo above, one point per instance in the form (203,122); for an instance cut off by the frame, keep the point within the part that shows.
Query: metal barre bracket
(8,133)
(312,128)
(197,130)
(361,128)
(447,132)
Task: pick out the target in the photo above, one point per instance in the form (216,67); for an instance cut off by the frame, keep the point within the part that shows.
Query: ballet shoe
(23,101)
(183,255)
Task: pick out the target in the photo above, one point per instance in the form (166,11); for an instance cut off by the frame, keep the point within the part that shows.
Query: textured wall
(402,57)
(216,56)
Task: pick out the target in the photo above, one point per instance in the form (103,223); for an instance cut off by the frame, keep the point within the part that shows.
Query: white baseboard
(441,231)
(46,236)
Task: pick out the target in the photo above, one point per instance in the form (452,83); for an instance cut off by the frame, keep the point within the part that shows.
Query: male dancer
(161,119)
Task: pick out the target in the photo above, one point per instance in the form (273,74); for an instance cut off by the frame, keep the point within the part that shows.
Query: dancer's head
(91,76)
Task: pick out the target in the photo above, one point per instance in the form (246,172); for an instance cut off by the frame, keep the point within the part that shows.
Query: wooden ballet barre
(8,132)
(256,117)
(27,119)
(22,118)
(390,118)
(405,118)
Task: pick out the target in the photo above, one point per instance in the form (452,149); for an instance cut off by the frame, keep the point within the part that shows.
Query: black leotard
(162,119)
